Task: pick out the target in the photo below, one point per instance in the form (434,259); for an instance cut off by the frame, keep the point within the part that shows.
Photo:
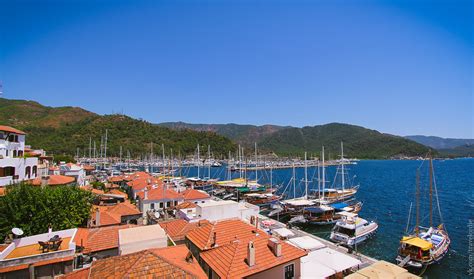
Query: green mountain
(466,150)
(62,130)
(440,143)
(358,141)
(246,135)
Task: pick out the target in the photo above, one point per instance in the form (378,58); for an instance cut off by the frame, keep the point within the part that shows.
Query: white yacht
(351,229)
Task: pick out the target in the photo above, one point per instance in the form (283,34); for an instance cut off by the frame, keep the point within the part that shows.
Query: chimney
(44,180)
(275,246)
(97,217)
(145,193)
(148,181)
(251,254)
(214,240)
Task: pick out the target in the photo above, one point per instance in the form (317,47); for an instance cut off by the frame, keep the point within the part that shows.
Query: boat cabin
(417,248)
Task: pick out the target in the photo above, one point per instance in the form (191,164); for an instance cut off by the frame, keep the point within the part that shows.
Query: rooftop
(54,180)
(142,233)
(11,130)
(229,260)
(192,194)
(179,228)
(161,194)
(99,239)
(169,262)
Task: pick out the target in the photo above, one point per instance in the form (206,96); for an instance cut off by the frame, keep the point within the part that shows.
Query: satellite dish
(157,215)
(17,231)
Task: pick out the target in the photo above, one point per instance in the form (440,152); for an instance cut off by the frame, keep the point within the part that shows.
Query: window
(290,271)
(152,205)
(161,205)
(14,153)
(35,171)
(168,204)
(27,172)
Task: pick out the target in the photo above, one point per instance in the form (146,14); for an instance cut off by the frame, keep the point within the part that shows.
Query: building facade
(14,165)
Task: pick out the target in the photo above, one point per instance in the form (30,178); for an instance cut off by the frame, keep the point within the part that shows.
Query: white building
(141,238)
(14,166)
(219,210)
(75,171)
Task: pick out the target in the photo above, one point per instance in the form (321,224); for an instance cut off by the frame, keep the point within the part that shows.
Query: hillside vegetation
(63,130)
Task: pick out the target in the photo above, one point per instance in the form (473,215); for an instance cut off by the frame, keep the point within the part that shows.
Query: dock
(366,260)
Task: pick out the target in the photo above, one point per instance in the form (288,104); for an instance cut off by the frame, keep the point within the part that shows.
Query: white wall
(20,165)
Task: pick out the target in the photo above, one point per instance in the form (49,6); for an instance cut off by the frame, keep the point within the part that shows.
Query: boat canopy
(318,209)
(417,242)
(339,205)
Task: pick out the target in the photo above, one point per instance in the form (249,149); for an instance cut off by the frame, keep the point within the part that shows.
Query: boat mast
(324,176)
(342,166)
(319,180)
(294,180)
(163,156)
(417,202)
(271,178)
(209,159)
(256,164)
(431,191)
(240,162)
(306,176)
(198,160)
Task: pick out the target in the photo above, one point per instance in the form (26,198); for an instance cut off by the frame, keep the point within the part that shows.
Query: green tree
(34,209)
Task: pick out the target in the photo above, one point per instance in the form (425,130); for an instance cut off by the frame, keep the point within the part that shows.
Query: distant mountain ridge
(64,129)
(439,142)
(286,140)
(244,134)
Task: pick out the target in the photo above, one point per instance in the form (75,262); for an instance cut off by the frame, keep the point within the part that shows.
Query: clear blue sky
(401,67)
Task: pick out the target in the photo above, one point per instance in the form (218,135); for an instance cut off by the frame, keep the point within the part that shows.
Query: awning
(334,259)
(382,269)
(313,269)
(306,242)
(417,242)
(339,205)
(283,232)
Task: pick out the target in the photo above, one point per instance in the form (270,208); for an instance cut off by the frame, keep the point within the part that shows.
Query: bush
(34,209)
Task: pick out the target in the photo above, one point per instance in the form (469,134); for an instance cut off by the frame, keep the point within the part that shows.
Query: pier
(366,260)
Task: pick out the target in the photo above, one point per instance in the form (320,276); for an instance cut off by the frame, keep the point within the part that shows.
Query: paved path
(366,260)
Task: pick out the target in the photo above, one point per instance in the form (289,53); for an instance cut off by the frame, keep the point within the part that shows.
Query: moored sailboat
(426,245)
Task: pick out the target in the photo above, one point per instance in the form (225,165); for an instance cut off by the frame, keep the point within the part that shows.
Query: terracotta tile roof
(186,204)
(11,130)
(141,183)
(137,175)
(112,214)
(88,167)
(118,192)
(78,274)
(169,262)
(226,231)
(177,229)
(99,239)
(192,194)
(158,194)
(116,178)
(54,180)
(229,260)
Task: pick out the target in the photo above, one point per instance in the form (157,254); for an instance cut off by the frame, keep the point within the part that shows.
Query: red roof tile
(177,229)
(99,239)
(11,130)
(228,257)
(192,194)
(54,180)
(158,194)
(169,262)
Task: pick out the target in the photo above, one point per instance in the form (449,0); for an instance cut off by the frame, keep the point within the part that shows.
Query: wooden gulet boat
(426,245)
